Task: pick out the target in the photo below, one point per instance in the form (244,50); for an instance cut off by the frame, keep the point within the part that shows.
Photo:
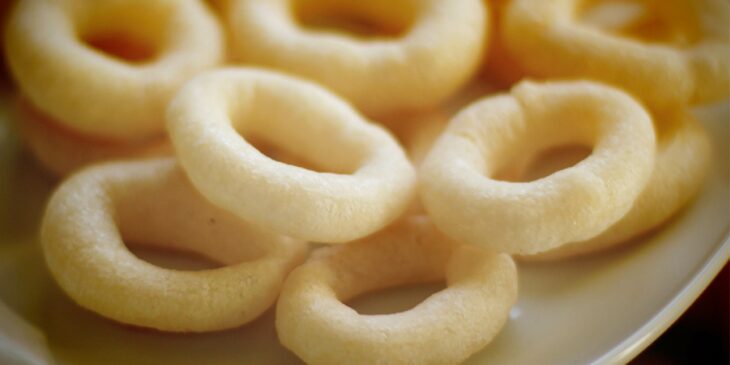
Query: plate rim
(660,322)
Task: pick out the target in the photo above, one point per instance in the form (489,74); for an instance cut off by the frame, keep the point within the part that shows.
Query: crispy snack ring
(372,183)
(460,194)
(61,151)
(691,64)
(153,203)
(682,159)
(431,47)
(49,45)
(446,328)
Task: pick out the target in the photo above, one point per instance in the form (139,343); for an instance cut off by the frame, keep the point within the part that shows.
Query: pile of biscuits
(319,150)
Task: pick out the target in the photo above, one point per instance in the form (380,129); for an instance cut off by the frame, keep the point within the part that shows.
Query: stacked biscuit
(253,128)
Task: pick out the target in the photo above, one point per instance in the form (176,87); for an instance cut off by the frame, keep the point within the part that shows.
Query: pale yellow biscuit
(369,181)
(54,50)
(423,51)
(62,151)
(671,53)
(446,328)
(94,212)
(457,180)
(682,159)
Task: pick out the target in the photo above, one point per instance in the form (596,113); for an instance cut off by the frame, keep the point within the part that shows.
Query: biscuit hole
(394,300)
(360,19)
(545,163)
(173,259)
(281,155)
(648,21)
(122,47)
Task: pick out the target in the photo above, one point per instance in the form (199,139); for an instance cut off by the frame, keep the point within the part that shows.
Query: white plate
(602,309)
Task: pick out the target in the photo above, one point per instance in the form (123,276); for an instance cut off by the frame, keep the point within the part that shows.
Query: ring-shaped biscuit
(49,48)
(371,180)
(446,328)
(682,160)
(438,46)
(463,199)
(548,39)
(61,151)
(153,203)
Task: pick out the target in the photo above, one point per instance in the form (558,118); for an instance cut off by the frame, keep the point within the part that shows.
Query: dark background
(701,335)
